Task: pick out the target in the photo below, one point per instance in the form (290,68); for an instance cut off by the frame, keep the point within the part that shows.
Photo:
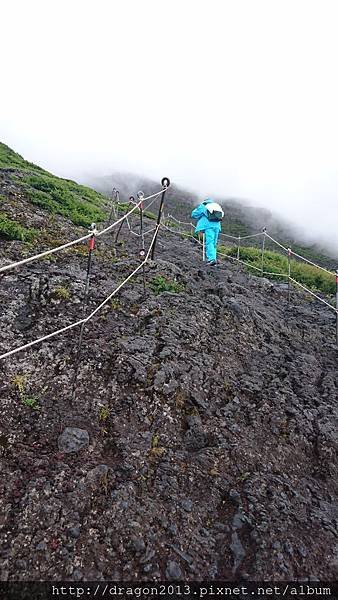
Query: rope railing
(74,242)
(315,295)
(88,317)
(311,263)
(93,234)
(91,237)
(271,273)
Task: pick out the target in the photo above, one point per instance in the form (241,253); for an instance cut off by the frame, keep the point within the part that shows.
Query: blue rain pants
(211,239)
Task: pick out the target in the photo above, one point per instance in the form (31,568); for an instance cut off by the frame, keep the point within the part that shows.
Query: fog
(227,98)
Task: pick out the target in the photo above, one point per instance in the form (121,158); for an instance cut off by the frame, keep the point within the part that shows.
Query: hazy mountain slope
(241,218)
(177,200)
(208,418)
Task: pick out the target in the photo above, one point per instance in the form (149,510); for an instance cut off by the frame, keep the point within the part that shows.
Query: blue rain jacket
(203,223)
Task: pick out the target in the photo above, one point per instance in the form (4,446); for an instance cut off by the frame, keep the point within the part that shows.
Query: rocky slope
(202,443)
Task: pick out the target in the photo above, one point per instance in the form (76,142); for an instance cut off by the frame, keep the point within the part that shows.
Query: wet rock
(237,551)
(187,505)
(41,546)
(138,544)
(173,571)
(97,477)
(235,497)
(74,532)
(73,439)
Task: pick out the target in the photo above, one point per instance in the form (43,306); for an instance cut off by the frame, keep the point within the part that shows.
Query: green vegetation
(234,226)
(13,161)
(160,284)
(31,403)
(62,292)
(104,413)
(20,382)
(150,215)
(78,203)
(311,277)
(14,231)
(115,303)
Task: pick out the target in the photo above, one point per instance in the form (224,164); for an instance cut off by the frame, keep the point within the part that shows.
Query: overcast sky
(237,98)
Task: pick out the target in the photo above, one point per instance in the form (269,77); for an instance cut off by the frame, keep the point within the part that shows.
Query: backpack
(214,212)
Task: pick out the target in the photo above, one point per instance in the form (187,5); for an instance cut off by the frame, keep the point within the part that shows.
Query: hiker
(209,215)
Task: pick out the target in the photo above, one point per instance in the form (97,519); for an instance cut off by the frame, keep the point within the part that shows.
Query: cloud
(229,98)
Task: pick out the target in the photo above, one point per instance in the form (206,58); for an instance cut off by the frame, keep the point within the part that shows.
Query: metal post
(337,307)
(140,196)
(112,211)
(263,249)
(289,274)
(129,223)
(203,245)
(121,224)
(165,184)
(238,246)
(117,204)
(91,248)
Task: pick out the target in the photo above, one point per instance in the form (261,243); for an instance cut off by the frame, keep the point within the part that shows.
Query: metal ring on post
(165,183)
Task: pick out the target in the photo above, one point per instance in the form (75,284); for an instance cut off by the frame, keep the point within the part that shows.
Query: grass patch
(81,205)
(62,292)
(78,203)
(312,277)
(11,160)
(161,284)
(20,383)
(150,215)
(14,231)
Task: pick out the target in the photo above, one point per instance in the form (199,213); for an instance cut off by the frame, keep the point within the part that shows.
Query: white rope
(127,214)
(91,315)
(312,263)
(272,273)
(315,295)
(181,222)
(148,231)
(42,254)
(77,241)
(233,237)
(273,240)
(150,204)
(42,339)
(245,237)
(182,233)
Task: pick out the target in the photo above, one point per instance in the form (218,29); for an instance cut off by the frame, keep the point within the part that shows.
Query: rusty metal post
(91,248)
(263,249)
(165,184)
(112,210)
(289,274)
(140,196)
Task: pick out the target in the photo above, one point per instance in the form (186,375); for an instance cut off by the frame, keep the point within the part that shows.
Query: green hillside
(275,262)
(78,203)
